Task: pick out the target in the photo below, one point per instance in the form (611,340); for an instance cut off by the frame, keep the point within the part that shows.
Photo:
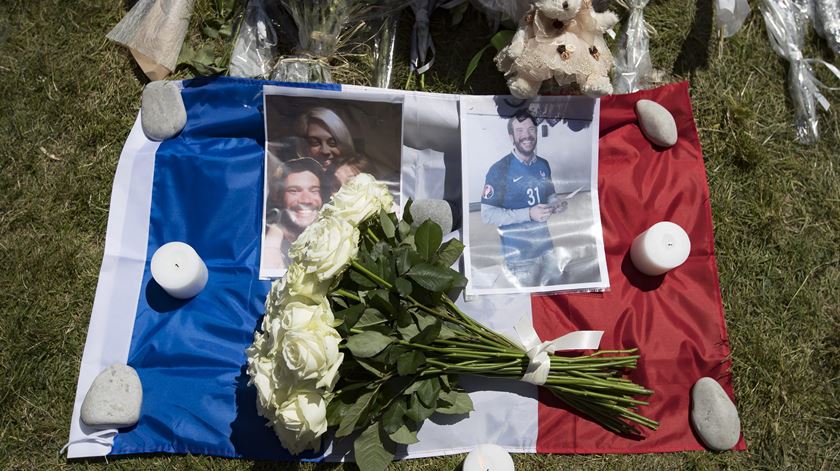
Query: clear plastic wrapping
(256,43)
(786,22)
(383,50)
(730,15)
(633,68)
(154,31)
(322,26)
(827,22)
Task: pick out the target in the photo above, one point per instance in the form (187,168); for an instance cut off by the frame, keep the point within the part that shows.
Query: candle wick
(179,266)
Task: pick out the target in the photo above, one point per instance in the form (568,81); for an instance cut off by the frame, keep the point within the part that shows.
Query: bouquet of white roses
(361,335)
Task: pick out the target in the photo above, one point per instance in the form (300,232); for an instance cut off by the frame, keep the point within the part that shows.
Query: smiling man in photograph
(297,196)
(519,197)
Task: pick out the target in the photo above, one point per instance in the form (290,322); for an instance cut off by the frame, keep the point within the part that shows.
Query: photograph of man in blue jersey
(530,195)
(518,198)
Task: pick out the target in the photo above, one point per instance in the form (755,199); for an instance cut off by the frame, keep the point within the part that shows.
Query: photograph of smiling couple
(316,141)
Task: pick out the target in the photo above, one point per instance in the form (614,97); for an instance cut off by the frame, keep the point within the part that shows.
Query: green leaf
(336,410)
(407,217)
(404,318)
(403,286)
(435,279)
(370,366)
(428,392)
(210,31)
(187,54)
(459,281)
(350,315)
(402,260)
(353,413)
(446,332)
(408,362)
(412,389)
(408,332)
(424,320)
(454,402)
(381,300)
(404,436)
(502,39)
(205,56)
(372,452)
(428,334)
(417,411)
(226,31)
(404,229)
(450,252)
(392,419)
(371,317)
(368,343)
(387,224)
(471,66)
(362,280)
(427,239)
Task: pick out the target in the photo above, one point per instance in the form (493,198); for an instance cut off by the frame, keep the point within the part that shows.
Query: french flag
(204,187)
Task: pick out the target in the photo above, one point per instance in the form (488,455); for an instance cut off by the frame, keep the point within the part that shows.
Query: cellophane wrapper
(256,43)
(323,25)
(827,22)
(632,59)
(155,29)
(730,15)
(786,23)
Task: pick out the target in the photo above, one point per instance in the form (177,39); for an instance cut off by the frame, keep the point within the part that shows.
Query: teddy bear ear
(601,6)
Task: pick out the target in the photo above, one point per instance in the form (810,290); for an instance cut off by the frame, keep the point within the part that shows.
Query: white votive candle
(178,269)
(488,457)
(661,248)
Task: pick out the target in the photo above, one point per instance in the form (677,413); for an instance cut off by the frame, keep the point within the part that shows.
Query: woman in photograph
(344,169)
(325,136)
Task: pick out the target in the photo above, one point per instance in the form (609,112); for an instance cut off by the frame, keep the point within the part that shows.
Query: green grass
(69,97)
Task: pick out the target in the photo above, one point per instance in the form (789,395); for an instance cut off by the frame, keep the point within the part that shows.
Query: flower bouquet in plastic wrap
(362,336)
(322,26)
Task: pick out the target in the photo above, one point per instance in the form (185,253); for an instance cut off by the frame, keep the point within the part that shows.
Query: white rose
(261,372)
(301,421)
(326,247)
(298,314)
(359,199)
(311,354)
(295,283)
(330,377)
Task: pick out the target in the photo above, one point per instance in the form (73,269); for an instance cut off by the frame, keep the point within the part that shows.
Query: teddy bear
(560,39)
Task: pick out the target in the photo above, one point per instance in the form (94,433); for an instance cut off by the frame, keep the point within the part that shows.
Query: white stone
(162,111)
(657,123)
(114,398)
(714,416)
(436,210)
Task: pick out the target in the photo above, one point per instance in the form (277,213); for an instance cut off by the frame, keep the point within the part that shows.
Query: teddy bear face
(562,10)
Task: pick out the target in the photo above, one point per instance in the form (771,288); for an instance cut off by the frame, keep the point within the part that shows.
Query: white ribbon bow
(538,351)
(102,437)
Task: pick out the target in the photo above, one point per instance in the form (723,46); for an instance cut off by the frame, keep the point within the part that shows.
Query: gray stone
(162,111)
(436,210)
(714,416)
(114,398)
(657,123)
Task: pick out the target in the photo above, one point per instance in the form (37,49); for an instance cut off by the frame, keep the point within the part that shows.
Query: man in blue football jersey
(519,197)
